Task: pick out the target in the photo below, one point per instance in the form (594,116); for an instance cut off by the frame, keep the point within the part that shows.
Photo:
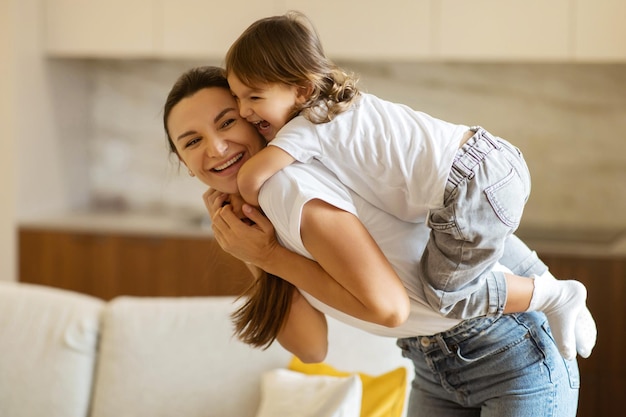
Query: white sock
(586,333)
(561,302)
(585,330)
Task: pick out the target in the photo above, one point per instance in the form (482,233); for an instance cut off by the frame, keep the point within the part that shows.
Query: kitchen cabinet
(502,30)
(371,29)
(147,28)
(116,28)
(603,374)
(600,33)
(198,28)
(402,30)
(107,265)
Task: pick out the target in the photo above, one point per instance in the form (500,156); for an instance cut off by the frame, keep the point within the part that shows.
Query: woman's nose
(217,148)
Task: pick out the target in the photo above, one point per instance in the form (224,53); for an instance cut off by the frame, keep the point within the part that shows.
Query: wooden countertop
(566,241)
(125,222)
(572,241)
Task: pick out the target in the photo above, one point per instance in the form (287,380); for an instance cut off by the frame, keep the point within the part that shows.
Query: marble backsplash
(568,119)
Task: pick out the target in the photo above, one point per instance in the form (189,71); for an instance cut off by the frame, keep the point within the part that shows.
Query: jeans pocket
(571,366)
(573,373)
(507,197)
(443,220)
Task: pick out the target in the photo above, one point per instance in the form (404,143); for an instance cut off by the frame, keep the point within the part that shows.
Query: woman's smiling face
(211,138)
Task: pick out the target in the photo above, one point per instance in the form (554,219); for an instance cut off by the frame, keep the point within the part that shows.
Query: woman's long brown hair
(260,318)
(268,299)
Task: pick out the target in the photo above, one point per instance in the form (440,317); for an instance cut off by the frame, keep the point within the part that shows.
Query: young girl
(469,185)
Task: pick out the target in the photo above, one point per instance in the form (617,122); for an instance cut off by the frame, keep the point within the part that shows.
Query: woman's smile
(228,163)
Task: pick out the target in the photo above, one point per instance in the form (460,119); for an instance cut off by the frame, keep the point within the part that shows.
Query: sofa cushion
(47,350)
(177,357)
(383,395)
(287,393)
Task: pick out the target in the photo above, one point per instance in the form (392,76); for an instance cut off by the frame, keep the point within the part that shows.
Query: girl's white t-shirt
(283,197)
(396,158)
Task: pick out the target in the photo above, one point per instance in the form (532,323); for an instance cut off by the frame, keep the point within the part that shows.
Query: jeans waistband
(472,153)
(448,340)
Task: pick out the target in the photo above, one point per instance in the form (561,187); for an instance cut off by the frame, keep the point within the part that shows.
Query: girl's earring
(191,174)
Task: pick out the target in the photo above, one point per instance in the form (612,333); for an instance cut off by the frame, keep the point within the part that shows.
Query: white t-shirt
(283,197)
(395,157)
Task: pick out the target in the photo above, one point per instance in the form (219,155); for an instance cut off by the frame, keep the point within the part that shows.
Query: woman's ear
(189,171)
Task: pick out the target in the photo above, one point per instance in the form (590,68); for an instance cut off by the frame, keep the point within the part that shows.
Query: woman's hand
(231,223)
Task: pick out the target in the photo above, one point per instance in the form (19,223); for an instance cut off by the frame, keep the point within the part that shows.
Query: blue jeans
(487,188)
(495,366)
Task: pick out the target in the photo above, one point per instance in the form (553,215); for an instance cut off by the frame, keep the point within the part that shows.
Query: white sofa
(64,354)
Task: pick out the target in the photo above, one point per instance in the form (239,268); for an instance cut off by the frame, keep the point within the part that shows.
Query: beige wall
(7,149)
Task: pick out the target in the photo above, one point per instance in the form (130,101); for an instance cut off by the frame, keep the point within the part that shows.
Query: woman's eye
(228,122)
(192,142)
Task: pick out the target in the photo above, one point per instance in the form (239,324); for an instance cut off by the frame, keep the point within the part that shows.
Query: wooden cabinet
(603,374)
(109,265)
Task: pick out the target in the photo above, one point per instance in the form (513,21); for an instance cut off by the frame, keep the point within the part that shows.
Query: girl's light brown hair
(287,49)
(268,299)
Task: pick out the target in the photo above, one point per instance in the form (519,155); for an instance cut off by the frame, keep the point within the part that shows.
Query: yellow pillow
(383,395)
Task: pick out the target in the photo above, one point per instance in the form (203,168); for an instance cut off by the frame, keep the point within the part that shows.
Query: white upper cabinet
(600,32)
(502,30)
(371,29)
(206,29)
(399,30)
(115,28)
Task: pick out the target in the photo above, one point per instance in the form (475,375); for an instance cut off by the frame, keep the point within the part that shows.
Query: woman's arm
(258,169)
(305,332)
(351,273)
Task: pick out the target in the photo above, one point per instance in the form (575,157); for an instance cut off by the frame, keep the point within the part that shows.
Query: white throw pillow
(287,393)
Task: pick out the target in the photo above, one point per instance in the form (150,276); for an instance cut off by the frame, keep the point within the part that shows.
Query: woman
(496,366)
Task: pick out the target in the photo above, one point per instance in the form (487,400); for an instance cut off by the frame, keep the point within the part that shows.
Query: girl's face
(268,106)
(211,139)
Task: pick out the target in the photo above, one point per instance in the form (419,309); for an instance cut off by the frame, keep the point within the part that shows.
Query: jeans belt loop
(443,345)
(491,139)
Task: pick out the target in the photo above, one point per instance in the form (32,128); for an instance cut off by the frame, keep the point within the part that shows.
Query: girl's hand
(252,243)
(214,200)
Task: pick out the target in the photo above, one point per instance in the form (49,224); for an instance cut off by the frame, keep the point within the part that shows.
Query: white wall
(39,172)
(51,133)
